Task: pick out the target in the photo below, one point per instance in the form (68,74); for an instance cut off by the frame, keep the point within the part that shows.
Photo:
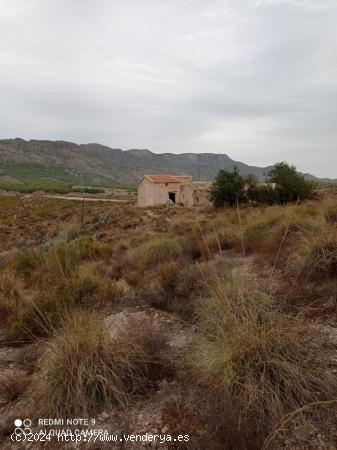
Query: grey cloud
(256,79)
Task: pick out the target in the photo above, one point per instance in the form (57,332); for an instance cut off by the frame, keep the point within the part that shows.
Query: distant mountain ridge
(101,164)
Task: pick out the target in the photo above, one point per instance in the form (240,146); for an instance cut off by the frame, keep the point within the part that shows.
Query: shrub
(25,263)
(264,362)
(264,194)
(180,285)
(82,248)
(89,287)
(42,314)
(207,417)
(290,185)
(228,188)
(176,287)
(87,369)
(65,283)
(59,259)
(157,249)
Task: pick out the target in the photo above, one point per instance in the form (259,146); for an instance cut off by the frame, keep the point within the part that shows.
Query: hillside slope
(98,164)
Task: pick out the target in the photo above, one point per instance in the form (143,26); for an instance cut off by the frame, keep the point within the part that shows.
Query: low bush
(290,186)
(228,188)
(82,248)
(58,259)
(207,416)
(68,280)
(89,287)
(223,238)
(157,249)
(264,194)
(42,314)
(175,287)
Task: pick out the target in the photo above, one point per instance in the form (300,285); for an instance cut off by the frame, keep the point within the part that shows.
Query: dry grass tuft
(86,369)
(264,362)
(268,229)
(330,212)
(11,296)
(314,254)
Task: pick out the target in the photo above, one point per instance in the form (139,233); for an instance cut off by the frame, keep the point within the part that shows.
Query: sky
(255,79)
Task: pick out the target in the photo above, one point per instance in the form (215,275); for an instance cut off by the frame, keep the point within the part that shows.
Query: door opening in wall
(172,196)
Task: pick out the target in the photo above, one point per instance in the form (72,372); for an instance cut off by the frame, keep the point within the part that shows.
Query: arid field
(215,324)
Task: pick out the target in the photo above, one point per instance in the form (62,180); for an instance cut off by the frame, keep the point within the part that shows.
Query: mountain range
(97,164)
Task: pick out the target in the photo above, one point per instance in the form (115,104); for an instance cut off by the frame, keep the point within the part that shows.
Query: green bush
(263,194)
(290,185)
(228,188)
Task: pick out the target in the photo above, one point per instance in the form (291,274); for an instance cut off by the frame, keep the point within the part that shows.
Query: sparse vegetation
(212,322)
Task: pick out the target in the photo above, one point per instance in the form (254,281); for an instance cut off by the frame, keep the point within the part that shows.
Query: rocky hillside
(94,163)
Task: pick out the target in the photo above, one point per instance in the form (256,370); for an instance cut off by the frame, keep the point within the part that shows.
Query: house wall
(142,193)
(155,194)
(201,198)
(187,194)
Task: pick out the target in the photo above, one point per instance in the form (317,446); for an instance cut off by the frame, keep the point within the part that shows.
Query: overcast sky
(256,79)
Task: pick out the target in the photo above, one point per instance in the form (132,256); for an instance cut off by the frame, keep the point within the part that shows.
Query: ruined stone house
(169,190)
